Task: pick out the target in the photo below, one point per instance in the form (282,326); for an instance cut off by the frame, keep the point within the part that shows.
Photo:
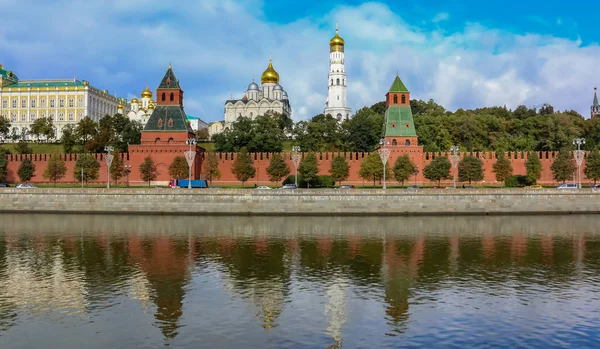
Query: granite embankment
(300,202)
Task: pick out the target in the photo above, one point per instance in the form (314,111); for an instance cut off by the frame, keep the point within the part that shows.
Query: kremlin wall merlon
(163,159)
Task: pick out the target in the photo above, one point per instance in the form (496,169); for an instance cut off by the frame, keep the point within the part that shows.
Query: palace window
(395,99)
(32,118)
(42,115)
(13,117)
(14,103)
(42,103)
(61,117)
(80,102)
(70,116)
(52,103)
(172,96)
(51,116)
(23,117)
(403,99)
(61,103)
(5,104)
(33,103)
(79,116)
(71,103)
(23,103)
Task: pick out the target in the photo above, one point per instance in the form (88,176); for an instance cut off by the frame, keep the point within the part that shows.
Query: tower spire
(595,98)
(336,26)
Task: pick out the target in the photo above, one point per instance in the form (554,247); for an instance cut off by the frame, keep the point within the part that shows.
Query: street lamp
(189,156)
(296,160)
(127,172)
(416,173)
(455,157)
(384,154)
(109,159)
(579,158)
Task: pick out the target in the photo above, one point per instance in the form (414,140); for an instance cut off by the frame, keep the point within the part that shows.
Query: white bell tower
(335,105)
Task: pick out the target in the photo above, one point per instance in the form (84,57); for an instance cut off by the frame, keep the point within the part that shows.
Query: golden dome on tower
(134,100)
(147,93)
(336,44)
(270,75)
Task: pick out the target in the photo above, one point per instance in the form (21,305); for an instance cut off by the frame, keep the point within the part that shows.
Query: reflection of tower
(454,252)
(335,310)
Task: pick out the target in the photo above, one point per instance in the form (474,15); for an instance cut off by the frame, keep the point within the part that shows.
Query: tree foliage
(243,168)
(563,166)
(148,170)
(26,170)
(371,168)
(210,167)
(117,169)
(179,168)
(55,169)
(533,168)
(340,169)
(69,139)
(403,168)
(438,169)
(3,166)
(262,134)
(23,147)
(470,169)
(42,127)
(592,166)
(502,168)
(4,127)
(90,166)
(309,167)
(202,134)
(277,168)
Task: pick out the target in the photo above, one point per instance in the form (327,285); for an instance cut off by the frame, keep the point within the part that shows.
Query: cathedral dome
(150,105)
(270,75)
(252,86)
(336,44)
(277,88)
(134,100)
(147,93)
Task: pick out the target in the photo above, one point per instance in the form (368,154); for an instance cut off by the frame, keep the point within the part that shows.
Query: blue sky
(462,54)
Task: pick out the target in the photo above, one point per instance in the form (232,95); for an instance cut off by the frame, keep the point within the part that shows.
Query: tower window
(403,99)
(338,98)
(407,143)
(338,81)
(344,82)
(332,82)
(395,99)
(164,96)
(394,142)
(172,97)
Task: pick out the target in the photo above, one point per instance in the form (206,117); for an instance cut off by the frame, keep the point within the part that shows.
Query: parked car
(595,186)
(263,187)
(289,186)
(346,186)
(413,187)
(468,187)
(567,186)
(26,186)
(4,185)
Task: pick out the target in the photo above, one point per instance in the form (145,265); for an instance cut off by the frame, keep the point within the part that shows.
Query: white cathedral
(139,110)
(335,104)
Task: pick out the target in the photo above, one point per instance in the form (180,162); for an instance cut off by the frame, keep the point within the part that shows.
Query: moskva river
(284,282)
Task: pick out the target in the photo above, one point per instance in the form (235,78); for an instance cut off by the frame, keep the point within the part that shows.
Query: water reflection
(297,282)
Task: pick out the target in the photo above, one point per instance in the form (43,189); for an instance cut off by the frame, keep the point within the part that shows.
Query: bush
(517,182)
(317,182)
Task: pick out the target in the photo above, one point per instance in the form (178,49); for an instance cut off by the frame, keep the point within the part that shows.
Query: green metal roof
(399,122)
(4,73)
(41,83)
(169,80)
(595,99)
(168,118)
(398,85)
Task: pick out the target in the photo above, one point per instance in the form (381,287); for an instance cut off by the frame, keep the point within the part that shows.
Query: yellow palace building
(65,102)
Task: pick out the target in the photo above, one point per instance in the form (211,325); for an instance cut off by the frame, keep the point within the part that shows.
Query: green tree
(4,127)
(371,168)
(242,166)
(23,148)
(502,168)
(55,170)
(563,166)
(26,170)
(533,167)
(262,134)
(179,168)
(3,166)
(438,169)
(592,166)
(68,139)
(86,129)
(210,168)
(363,131)
(42,127)
(340,169)
(148,170)
(470,169)
(277,168)
(117,169)
(309,168)
(202,135)
(321,133)
(90,166)
(403,168)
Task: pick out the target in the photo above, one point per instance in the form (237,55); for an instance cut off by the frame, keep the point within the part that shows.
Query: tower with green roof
(399,125)
(595,108)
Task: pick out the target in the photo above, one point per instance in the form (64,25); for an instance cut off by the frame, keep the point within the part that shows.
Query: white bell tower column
(335,105)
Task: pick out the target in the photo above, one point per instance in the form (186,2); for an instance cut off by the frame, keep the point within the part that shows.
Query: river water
(77,281)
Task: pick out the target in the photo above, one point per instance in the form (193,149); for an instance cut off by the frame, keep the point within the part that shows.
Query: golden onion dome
(336,44)
(150,105)
(270,75)
(147,93)
(120,106)
(134,100)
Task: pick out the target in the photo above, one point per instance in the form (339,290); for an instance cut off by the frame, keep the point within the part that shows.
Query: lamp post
(189,156)
(416,173)
(454,159)
(127,172)
(109,159)
(296,160)
(384,154)
(579,158)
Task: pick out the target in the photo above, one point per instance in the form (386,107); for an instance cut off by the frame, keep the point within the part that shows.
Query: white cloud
(218,46)
(440,17)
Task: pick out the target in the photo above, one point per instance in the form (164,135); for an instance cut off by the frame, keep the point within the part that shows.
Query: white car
(26,186)
(263,187)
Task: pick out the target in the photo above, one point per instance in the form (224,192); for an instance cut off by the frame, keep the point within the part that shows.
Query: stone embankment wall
(300,202)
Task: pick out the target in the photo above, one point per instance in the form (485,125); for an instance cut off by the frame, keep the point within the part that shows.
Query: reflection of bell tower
(335,310)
